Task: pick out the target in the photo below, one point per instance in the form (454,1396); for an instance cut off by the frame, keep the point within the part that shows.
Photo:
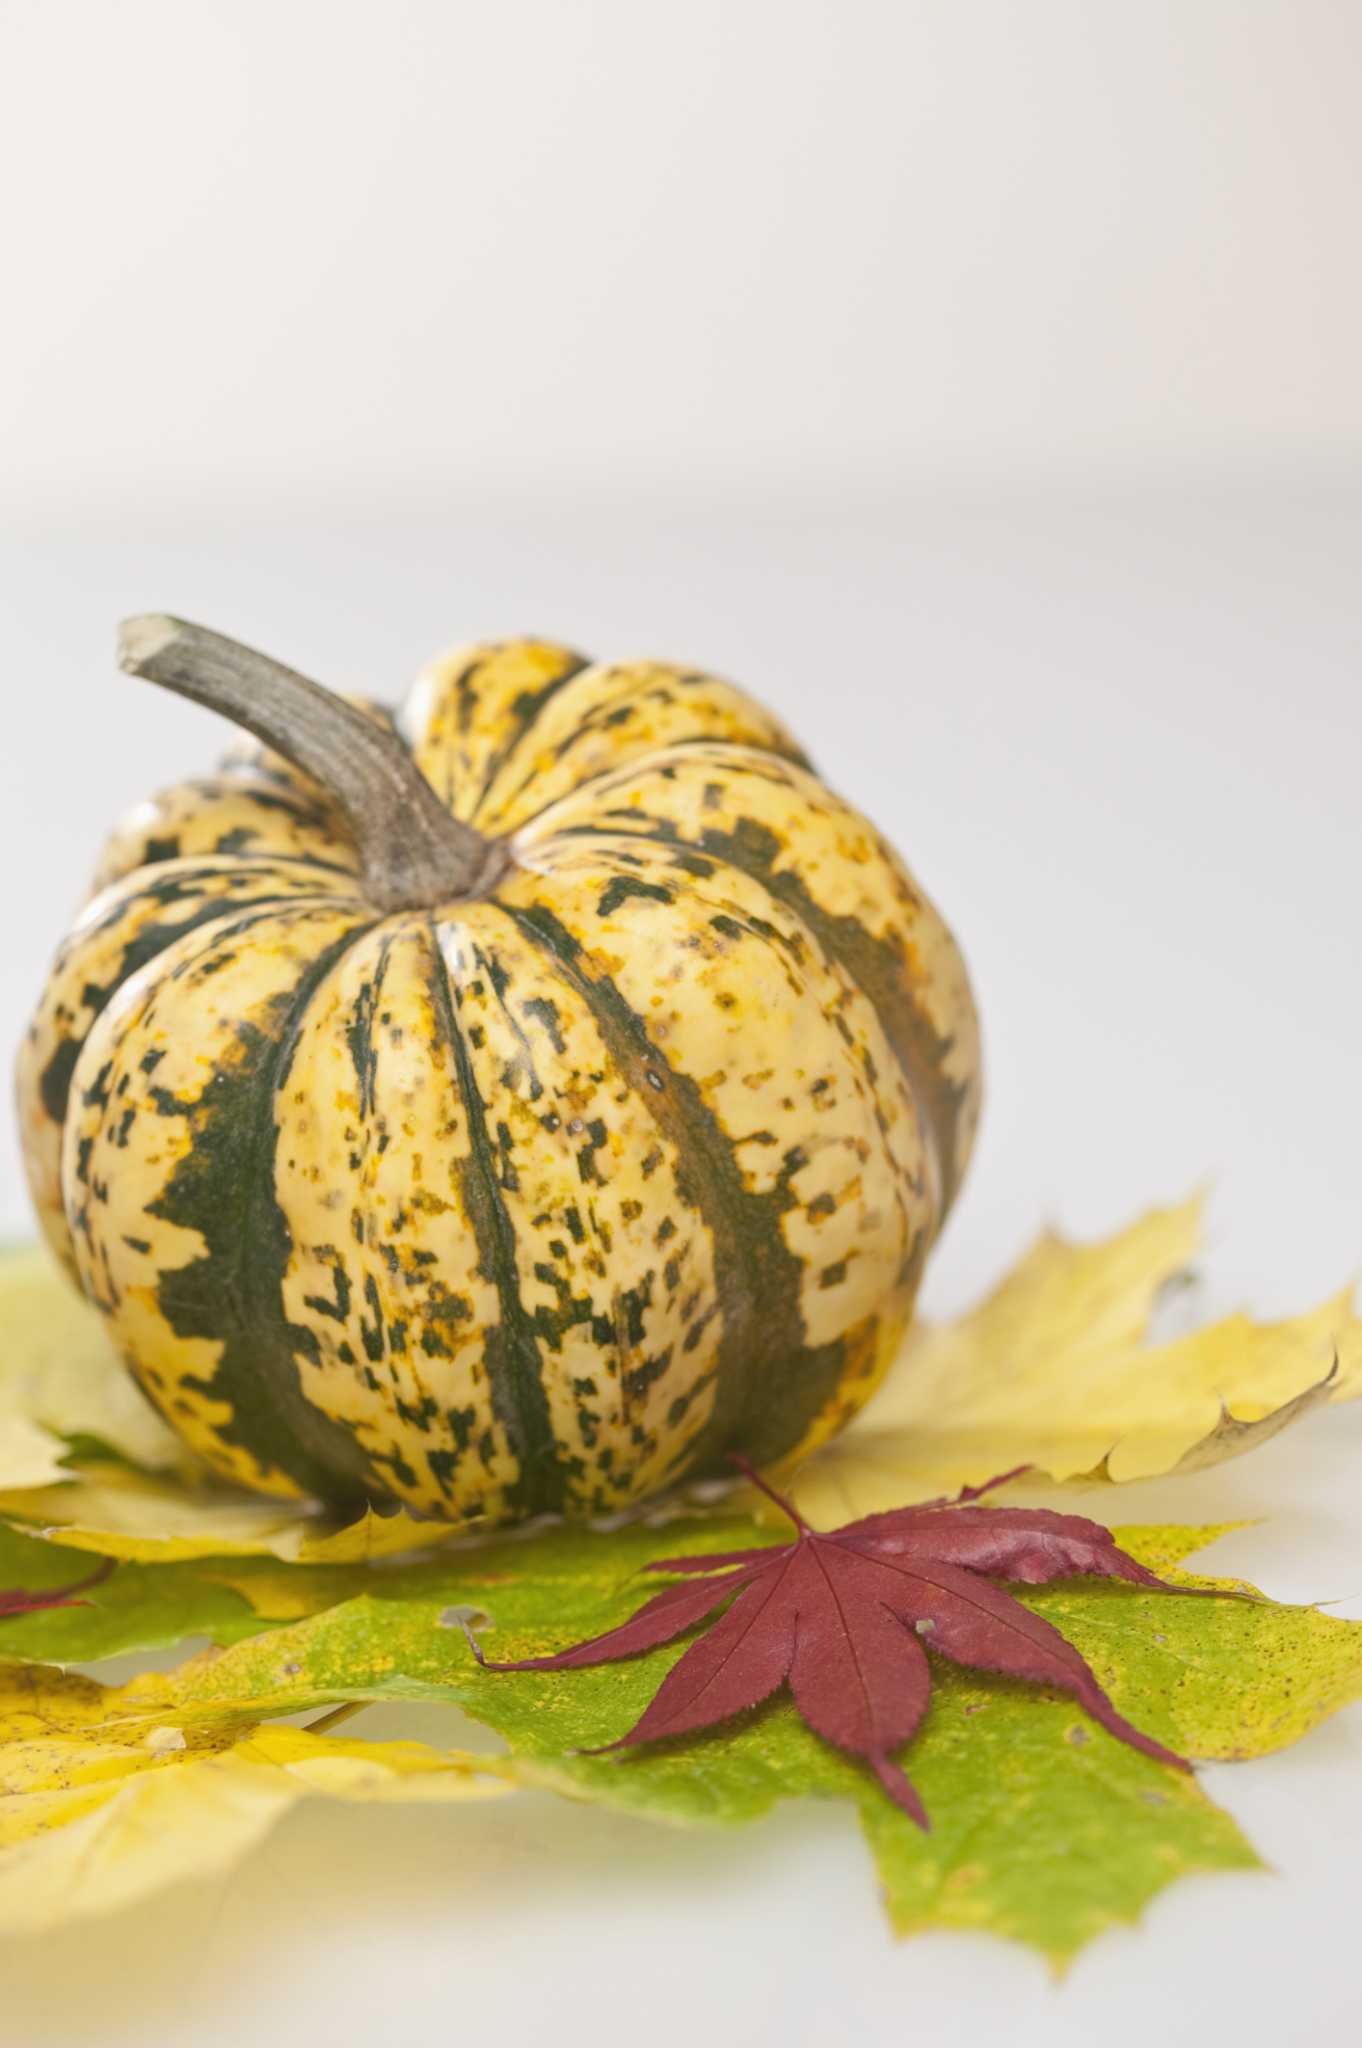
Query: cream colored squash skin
(542,1180)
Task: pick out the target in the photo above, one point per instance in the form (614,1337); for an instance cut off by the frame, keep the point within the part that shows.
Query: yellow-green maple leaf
(1009,1772)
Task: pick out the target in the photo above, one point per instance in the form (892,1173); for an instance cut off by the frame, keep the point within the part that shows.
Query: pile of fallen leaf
(1048,1822)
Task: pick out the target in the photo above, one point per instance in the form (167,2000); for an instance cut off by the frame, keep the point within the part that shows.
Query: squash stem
(413,852)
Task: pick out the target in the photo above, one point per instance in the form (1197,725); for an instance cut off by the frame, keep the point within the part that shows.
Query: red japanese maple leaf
(845,1618)
(17,1601)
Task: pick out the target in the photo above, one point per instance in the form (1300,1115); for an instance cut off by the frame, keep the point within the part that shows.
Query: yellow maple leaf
(1054,1370)
(108,1794)
(147,1518)
(60,1379)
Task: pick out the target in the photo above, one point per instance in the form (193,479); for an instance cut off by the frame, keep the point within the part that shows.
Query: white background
(978,383)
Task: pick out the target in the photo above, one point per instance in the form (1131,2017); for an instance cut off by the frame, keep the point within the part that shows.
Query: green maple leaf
(1045,1829)
(140,1607)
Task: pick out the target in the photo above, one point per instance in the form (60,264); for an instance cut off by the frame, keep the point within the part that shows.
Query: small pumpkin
(514,1106)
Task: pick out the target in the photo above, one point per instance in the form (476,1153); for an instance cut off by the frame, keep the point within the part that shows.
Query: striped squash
(515,1106)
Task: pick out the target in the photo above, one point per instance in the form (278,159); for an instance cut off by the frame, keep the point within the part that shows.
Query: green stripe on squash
(185,1228)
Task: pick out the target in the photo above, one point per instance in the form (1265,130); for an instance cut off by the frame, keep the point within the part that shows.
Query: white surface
(249,241)
(1119,738)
